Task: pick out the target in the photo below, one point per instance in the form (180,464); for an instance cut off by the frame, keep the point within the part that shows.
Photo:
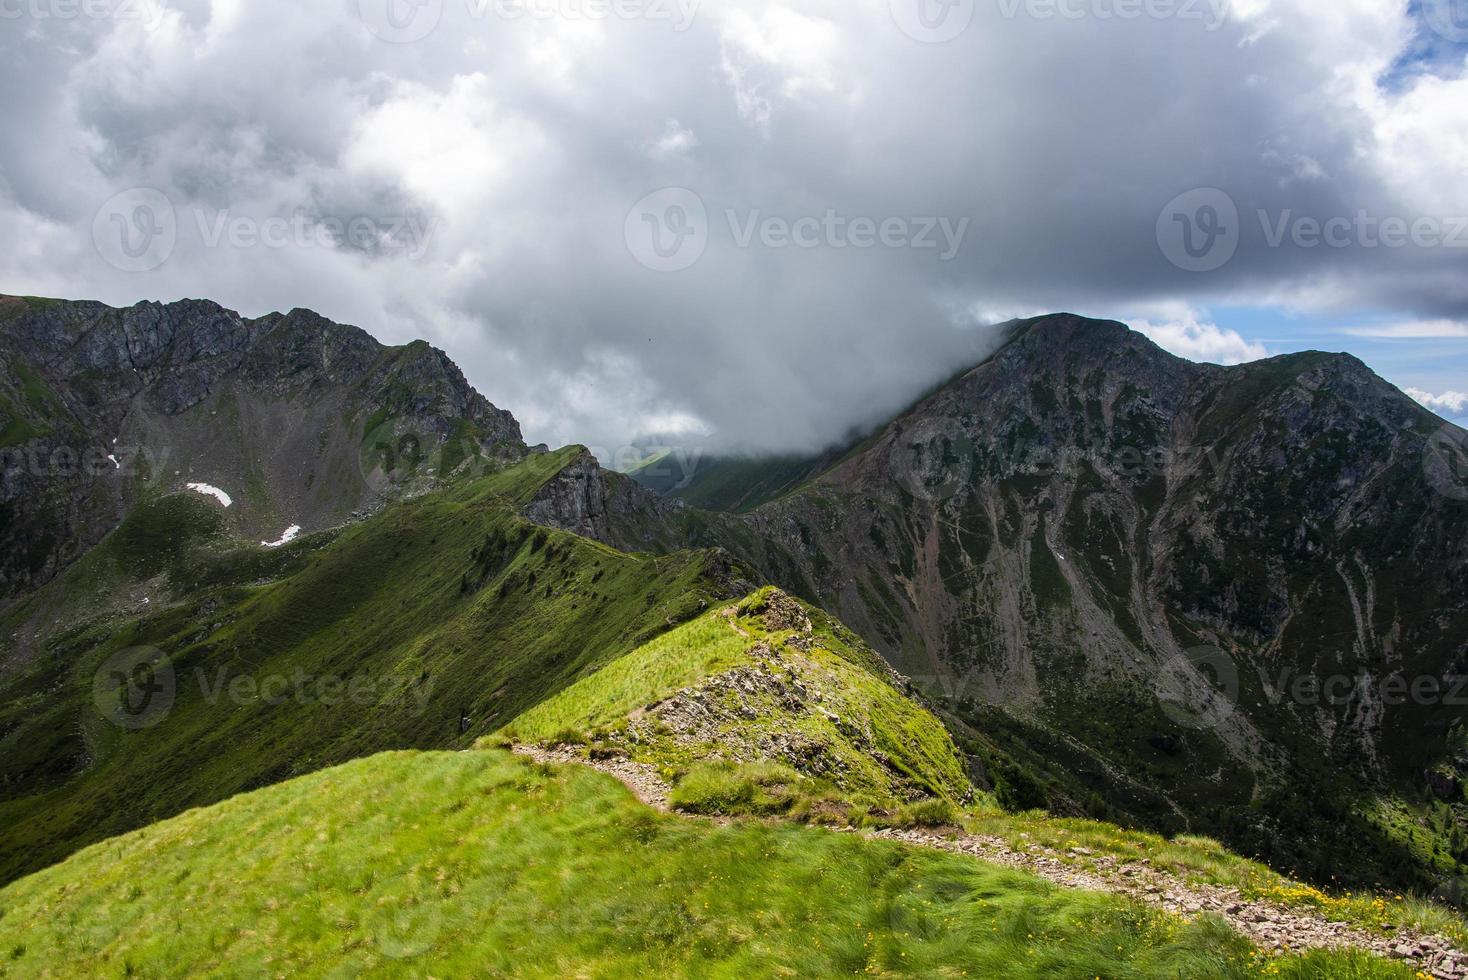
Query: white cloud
(1417,330)
(1201,341)
(776,56)
(456,150)
(676,141)
(526,142)
(1449,404)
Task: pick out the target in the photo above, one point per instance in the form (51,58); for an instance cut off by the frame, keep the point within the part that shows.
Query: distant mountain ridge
(1114,555)
(1106,566)
(737,484)
(274,411)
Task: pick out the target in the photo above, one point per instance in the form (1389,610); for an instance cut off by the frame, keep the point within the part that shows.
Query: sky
(754,224)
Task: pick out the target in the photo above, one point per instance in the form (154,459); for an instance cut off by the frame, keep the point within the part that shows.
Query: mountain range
(1206,591)
(1084,576)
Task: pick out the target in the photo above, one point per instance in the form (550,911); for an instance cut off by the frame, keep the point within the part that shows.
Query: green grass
(839,707)
(43,404)
(382,636)
(733,484)
(1202,860)
(765,789)
(652,672)
(459,864)
(753,790)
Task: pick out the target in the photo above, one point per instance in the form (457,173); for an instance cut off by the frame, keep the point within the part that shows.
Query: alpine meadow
(625,499)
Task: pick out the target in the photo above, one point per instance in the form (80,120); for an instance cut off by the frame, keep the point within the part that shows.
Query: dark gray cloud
(476,186)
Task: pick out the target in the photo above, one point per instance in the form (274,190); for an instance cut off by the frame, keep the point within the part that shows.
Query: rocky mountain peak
(158,397)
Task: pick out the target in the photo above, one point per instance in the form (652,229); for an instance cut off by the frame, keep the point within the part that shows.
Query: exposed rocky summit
(1228,600)
(1143,575)
(1138,558)
(289,414)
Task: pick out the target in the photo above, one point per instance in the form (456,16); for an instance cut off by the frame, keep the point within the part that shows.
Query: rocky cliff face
(1181,594)
(1231,600)
(300,421)
(1208,581)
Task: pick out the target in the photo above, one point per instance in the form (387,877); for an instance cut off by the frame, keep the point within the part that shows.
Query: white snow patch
(291,533)
(214,492)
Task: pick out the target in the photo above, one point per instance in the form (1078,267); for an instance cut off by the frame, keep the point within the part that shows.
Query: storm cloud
(749,224)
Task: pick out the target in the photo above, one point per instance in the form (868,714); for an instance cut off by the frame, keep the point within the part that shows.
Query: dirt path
(642,780)
(1268,926)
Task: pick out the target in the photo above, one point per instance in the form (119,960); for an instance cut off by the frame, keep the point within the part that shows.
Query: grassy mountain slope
(1122,567)
(101,408)
(476,863)
(427,626)
(763,681)
(729,483)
